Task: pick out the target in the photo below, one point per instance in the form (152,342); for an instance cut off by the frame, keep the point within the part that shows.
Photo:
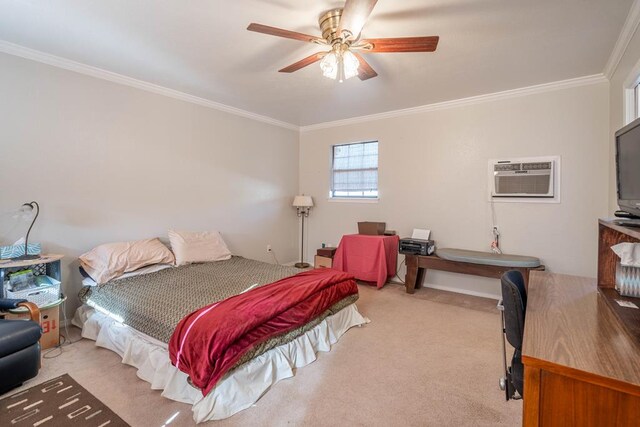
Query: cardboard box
(49,322)
(372,228)
(322,262)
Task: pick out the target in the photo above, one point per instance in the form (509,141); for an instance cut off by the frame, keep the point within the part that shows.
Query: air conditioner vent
(518,179)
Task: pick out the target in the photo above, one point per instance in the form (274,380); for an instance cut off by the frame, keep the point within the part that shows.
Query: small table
(368,258)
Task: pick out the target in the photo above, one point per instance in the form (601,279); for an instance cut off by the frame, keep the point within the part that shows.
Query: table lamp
(303,205)
(27,209)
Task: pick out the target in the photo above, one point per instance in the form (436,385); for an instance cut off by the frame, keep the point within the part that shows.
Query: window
(354,172)
(631,87)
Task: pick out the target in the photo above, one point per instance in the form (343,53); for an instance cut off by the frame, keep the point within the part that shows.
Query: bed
(137,316)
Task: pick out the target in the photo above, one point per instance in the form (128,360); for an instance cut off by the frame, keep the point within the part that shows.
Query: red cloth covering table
(368,258)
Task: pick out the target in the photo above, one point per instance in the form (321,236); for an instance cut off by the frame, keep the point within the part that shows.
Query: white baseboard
(457,290)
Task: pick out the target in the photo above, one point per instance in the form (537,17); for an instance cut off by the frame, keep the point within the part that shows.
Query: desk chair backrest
(514,300)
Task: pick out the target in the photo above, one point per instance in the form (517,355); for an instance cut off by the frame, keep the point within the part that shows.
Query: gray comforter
(155,303)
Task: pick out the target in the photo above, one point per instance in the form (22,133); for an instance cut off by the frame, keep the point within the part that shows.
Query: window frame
(631,95)
(353,198)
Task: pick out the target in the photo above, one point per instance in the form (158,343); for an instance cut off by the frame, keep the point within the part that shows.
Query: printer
(411,246)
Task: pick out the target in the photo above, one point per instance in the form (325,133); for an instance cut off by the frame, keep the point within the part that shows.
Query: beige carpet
(432,358)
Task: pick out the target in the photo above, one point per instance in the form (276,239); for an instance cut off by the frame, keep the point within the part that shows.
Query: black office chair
(513,306)
(19,347)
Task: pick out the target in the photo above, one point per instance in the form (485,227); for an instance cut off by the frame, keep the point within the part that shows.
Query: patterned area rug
(56,403)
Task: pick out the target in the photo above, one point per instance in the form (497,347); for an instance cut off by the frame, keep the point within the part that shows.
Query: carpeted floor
(428,359)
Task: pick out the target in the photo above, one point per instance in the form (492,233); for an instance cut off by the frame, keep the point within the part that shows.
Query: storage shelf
(629,317)
(50,311)
(610,234)
(44,259)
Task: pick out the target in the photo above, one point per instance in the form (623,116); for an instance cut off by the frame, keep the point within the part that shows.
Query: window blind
(355,170)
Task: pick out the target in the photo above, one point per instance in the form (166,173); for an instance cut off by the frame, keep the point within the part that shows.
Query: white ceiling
(202,48)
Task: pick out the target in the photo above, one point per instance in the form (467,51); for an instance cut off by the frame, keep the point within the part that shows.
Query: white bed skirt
(235,392)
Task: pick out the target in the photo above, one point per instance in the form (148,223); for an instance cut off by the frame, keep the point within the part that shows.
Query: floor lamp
(303,205)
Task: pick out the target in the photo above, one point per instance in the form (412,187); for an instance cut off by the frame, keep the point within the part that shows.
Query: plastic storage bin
(47,291)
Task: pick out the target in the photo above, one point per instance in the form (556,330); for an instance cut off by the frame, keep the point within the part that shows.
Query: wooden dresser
(582,365)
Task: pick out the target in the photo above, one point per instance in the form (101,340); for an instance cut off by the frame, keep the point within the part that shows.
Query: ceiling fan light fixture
(350,64)
(329,65)
(339,64)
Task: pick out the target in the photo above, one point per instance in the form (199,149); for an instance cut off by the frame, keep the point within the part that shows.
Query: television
(628,167)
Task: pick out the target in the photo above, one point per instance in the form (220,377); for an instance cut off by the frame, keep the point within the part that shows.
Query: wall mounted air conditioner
(529,178)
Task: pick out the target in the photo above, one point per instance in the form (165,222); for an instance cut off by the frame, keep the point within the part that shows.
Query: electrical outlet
(268,248)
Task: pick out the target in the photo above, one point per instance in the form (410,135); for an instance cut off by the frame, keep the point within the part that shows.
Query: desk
(581,365)
(368,258)
(417,265)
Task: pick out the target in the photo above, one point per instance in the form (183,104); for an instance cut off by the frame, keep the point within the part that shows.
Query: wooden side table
(322,262)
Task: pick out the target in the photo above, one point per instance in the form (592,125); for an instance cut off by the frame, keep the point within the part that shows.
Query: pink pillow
(111,260)
(205,246)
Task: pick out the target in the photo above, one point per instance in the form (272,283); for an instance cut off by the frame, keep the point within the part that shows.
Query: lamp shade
(303,201)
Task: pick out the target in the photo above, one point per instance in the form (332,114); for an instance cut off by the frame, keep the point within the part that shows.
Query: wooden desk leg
(412,273)
(420,277)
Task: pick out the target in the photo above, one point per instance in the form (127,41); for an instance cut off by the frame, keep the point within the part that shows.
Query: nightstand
(322,262)
(47,296)
(324,257)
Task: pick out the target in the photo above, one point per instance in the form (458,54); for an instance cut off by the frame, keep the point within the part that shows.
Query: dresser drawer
(322,262)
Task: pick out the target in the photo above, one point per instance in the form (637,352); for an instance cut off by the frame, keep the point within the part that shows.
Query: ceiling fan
(341,32)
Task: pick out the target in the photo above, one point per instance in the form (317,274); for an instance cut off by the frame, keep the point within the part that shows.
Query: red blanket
(208,342)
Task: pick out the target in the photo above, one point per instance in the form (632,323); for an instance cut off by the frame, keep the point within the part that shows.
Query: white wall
(108,162)
(118,163)
(433,174)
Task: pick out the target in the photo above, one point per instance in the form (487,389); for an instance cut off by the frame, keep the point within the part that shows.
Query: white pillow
(111,260)
(204,246)
(88,281)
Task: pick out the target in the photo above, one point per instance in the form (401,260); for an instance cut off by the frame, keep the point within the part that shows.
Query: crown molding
(67,64)
(513,93)
(626,34)
(56,61)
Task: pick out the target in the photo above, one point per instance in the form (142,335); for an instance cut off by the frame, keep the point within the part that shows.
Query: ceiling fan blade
(354,16)
(400,44)
(304,62)
(279,32)
(365,71)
